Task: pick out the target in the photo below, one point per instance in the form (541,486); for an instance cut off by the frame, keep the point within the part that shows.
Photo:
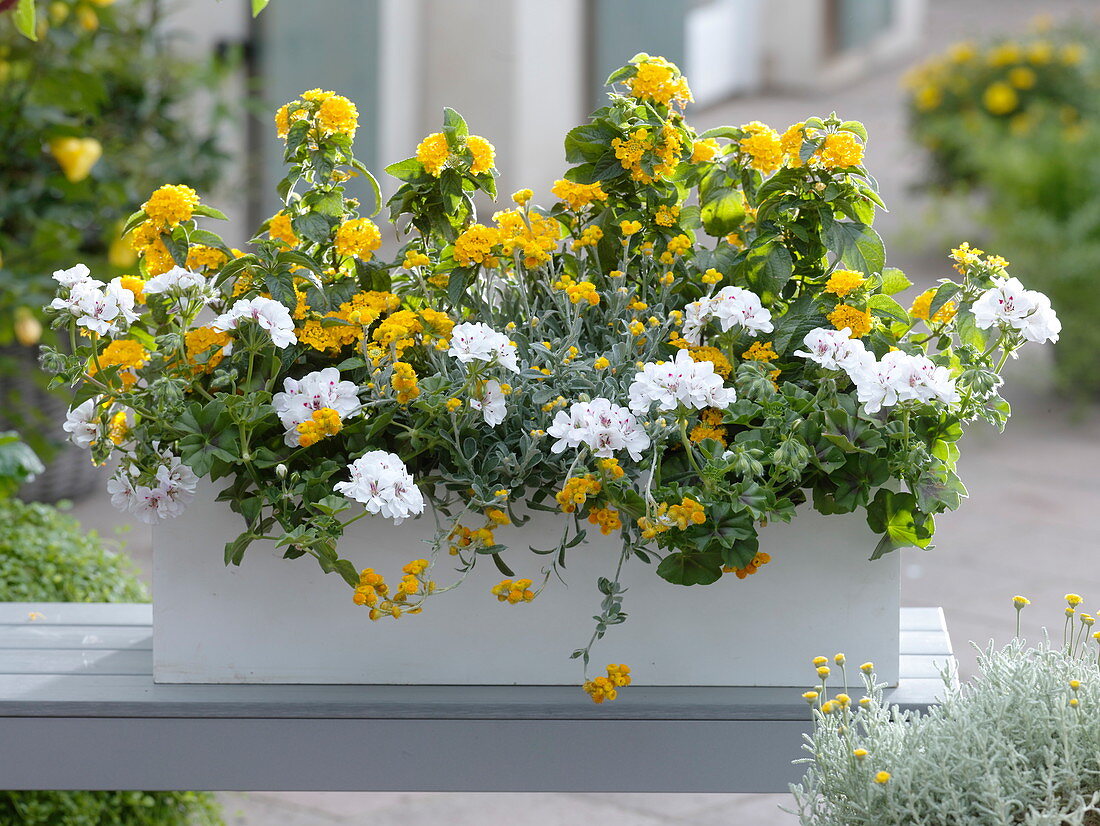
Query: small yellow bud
(1075,684)
(867,667)
(865,701)
(823,672)
(827,707)
(1074,600)
(844,700)
(860,753)
(1020,601)
(882,778)
(810,696)
(839,659)
(817,661)
(1074,702)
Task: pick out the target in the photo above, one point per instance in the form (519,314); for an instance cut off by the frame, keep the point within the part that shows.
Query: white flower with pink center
(302,397)
(605,427)
(492,404)
(1008,304)
(266,312)
(731,307)
(683,381)
(381,482)
(835,350)
(480,342)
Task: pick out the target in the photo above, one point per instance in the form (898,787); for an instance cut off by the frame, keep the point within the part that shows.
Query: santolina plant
(698,337)
(1019,744)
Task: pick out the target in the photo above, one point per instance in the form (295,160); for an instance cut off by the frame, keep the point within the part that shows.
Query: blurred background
(984,123)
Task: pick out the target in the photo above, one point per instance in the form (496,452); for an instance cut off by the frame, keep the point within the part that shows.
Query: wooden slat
(922,619)
(74,663)
(75,613)
(59,637)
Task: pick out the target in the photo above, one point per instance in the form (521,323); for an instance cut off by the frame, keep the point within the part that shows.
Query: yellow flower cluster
(666,147)
(146,241)
(475,246)
(415,258)
(711,276)
(605,688)
(760,559)
(404,382)
(171,205)
(279,229)
(578,291)
(659,81)
(362,310)
(722,365)
(858,321)
(922,304)
(839,150)
(760,351)
(611,468)
(433,153)
(533,236)
(135,285)
(204,347)
(200,256)
(374,592)
(513,591)
(629,228)
(323,423)
(589,238)
(842,282)
(704,150)
(575,492)
(578,196)
(762,145)
(118,428)
(126,354)
(358,237)
(337,114)
(682,516)
(607,518)
(667,216)
(521,196)
(709,427)
(482,152)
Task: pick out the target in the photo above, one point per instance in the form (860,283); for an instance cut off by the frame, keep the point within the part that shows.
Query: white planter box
(283,621)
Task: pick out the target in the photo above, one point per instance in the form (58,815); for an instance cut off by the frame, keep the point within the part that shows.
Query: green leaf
(210,212)
(857,245)
(258,6)
(588,143)
(855,127)
(408,170)
(132,222)
(885,306)
(944,293)
(312,226)
(454,128)
(894,281)
(721,204)
(770,268)
(24,19)
(902,524)
(691,567)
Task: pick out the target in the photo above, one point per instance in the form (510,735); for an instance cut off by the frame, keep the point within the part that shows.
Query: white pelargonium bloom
(173,490)
(492,404)
(1007,303)
(101,308)
(268,313)
(480,342)
(73,276)
(181,283)
(382,483)
(731,306)
(82,423)
(835,350)
(899,377)
(302,397)
(603,426)
(681,382)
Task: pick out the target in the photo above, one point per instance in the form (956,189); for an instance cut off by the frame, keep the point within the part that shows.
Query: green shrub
(45,556)
(1044,214)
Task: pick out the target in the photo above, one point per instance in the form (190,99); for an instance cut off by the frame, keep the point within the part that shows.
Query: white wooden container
(273,620)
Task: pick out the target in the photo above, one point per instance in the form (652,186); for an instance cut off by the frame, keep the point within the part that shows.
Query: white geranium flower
(173,491)
(492,404)
(302,397)
(72,276)
(182,284)
(603,426)
(123,495)
(1008,304)
(382,483)
(835,350)
(268,313)
(900,377)
(731,306)
(480,342)
(103,309)
(680,382)
(82,423)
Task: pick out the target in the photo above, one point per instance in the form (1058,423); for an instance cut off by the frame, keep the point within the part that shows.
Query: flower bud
(280,470)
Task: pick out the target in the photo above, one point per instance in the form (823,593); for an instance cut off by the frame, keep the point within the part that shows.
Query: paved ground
(1026,529)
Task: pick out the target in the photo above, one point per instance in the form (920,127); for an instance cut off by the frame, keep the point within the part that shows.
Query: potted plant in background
(1018,744)
(90,115)
(639,390)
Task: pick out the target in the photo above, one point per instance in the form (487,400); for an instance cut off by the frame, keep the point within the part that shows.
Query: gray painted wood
(67,698)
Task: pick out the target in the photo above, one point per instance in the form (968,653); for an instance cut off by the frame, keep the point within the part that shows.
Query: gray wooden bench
(79,710)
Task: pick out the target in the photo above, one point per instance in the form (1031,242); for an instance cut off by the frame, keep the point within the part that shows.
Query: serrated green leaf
(894,281)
